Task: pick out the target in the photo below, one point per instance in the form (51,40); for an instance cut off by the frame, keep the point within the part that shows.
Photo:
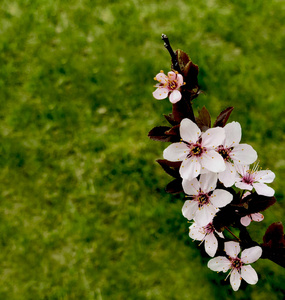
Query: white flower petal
(171,75)
(160,93)
(161,77)
(235,279)
(232,249)
(196,232)
(243,186)
(179,80)
(219,264)
(176,152)
(242,169)
(228,177)
(211,244)
(245,221)
(264,176)
(219,234)
(189,131)
(213,137)
(221,198)
(208,182)
(251,255)
(190,168)
(205,214)
(191,187)
(233,134)
(189,209)
(175,96)
(249,274)
(243,154)
(263,189)
(213,161)
(257,217)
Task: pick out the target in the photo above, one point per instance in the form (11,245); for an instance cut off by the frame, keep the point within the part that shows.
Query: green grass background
(83,212)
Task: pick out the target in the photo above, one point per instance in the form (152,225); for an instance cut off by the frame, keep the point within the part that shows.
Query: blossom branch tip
(171,52)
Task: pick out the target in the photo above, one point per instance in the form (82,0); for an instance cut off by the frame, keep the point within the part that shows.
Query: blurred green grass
(83,210)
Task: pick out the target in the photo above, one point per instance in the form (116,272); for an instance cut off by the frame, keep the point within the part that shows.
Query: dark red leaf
(174,131)
(275,235)
(191,76)
(170,167)
(204,119)
(259,203)
(170,119)
(160,134)
(223,117)
(273,247)
(183,59)
(175,186)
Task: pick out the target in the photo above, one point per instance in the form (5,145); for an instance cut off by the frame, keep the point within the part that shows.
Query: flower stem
(232,233)
(171,52)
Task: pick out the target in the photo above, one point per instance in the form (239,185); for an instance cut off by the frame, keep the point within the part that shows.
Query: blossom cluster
(213,155)
(218,174)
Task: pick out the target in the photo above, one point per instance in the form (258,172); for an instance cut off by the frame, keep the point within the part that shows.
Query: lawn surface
(84,214)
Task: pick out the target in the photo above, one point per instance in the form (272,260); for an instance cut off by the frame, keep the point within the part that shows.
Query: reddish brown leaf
(223,117)
(273,247)
(170,119)
(174,131)
(175,186)
(274,235)
(160,134)
(170,167)
(204,119)
(183,59)
(191,76)
(259,203)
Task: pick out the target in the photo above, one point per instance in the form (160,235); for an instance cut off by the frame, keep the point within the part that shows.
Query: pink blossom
(234,153)
(168,86)
(205,200)
(251,178)
(207,234)
(197,150)
(237,266)
(246,220)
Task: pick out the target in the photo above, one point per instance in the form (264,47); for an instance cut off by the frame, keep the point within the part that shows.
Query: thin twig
(232,233)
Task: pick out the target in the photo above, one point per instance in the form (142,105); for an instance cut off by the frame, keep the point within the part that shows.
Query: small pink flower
(207,234)
(252,178)
(237,266)
(246,220)
(197,150)
(168,86)
(205,199)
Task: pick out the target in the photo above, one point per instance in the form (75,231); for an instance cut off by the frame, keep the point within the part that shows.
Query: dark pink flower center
(209,228)
(172,84)
(225,153)
(196,150)
(202,199)
(248,178)
(236,263)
